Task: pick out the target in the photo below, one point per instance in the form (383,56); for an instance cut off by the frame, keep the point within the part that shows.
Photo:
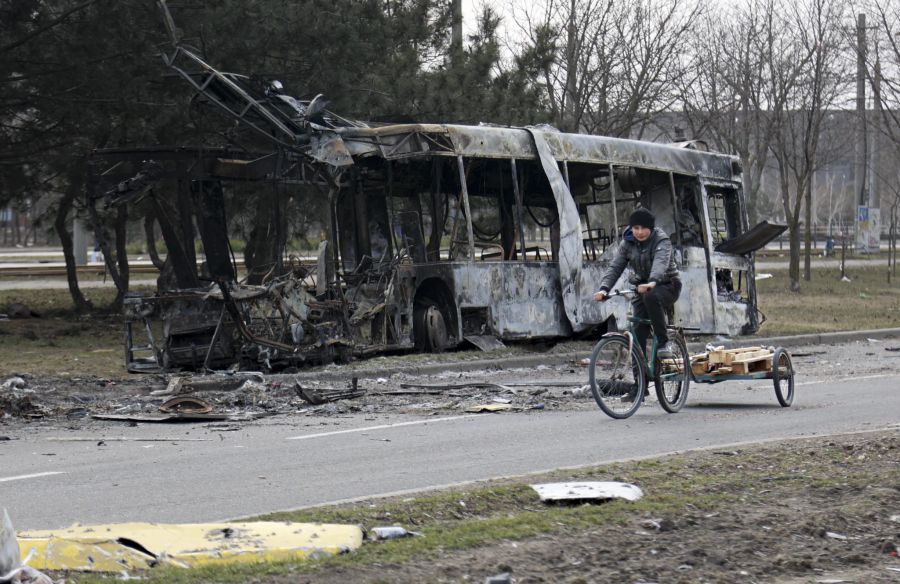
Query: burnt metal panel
(752,240)
(523,298)
(569,231)
(395,141)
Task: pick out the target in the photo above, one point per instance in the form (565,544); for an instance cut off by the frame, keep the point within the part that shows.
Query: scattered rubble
(390,532)
(19,310)
(242,397)
(318,396)
(13,383)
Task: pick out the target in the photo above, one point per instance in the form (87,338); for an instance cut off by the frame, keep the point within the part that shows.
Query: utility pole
(570,122)
(876,183)
(861,142)
(456,38)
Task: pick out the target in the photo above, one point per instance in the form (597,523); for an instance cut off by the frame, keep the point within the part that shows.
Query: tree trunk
(183,270)
(807,243)
(150,233)
(103,241)
(794,266)
(61,225)
(17,232)
(121,256)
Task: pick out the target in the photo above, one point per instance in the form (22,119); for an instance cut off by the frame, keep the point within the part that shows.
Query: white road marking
(382,427)
(855,378)
(30,476)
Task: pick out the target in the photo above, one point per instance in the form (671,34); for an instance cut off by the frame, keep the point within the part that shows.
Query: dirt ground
(823,510)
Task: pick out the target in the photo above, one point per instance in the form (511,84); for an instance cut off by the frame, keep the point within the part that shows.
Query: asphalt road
(196,472)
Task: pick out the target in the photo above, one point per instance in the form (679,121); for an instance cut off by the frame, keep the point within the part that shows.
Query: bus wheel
(429,327)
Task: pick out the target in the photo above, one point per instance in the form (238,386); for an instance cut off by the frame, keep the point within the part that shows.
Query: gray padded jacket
(651,260)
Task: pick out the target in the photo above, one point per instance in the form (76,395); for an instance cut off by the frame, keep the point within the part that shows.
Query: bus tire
(429,327)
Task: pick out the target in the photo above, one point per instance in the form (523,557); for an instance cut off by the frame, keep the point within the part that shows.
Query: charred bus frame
(430,234)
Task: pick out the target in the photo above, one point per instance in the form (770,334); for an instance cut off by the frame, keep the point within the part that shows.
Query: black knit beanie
(642,217)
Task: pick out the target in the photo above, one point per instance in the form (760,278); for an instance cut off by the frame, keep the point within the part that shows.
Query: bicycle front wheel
(617,378)
(673,377)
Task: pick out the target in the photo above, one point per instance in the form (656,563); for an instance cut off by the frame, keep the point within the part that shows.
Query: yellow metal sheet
(489,408)
(138,546)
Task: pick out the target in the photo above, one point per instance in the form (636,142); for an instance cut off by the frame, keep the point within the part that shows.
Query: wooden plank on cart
(717,355)
(750,356)
(757,363)
(726,356)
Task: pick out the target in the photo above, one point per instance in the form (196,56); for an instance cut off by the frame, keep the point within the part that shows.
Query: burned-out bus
(431,236)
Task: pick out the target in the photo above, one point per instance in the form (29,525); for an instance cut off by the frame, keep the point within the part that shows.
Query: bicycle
(619,372)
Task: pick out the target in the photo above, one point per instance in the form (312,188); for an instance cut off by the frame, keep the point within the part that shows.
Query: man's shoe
(666,351)
(629,396)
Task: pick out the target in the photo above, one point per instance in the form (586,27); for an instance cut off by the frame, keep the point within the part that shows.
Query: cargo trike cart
(751,363)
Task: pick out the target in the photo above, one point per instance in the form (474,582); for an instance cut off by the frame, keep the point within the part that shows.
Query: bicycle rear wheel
(617,377)
(673,376)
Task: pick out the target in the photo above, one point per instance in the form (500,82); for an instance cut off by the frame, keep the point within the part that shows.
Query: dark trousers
(653,306)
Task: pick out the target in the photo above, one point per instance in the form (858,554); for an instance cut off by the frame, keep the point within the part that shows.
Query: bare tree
(729,98)
(887,94)
(608,67)
(811,74)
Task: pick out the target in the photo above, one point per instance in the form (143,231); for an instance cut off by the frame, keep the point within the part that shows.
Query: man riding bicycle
(648,251)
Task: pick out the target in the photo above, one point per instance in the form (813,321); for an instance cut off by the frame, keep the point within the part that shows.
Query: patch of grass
(703,483)
(61,342)
(826,304)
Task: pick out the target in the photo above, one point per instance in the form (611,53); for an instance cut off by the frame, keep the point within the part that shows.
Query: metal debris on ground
(13,383)
(23,406)
(185,405)
(391,532)
(170,418)
(181,384)
(504,578)
(409,392)
(476,409)
(318,396)
(587,491)
(486,343)
(469,385)
(13,565)
(140,546)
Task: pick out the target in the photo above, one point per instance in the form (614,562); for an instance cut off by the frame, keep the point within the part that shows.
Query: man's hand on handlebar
(644,288)
(600,296)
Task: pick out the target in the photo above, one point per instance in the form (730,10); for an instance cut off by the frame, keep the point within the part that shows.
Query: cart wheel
(783,376)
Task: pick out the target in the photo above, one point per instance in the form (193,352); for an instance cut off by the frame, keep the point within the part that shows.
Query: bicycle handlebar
(626,293)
